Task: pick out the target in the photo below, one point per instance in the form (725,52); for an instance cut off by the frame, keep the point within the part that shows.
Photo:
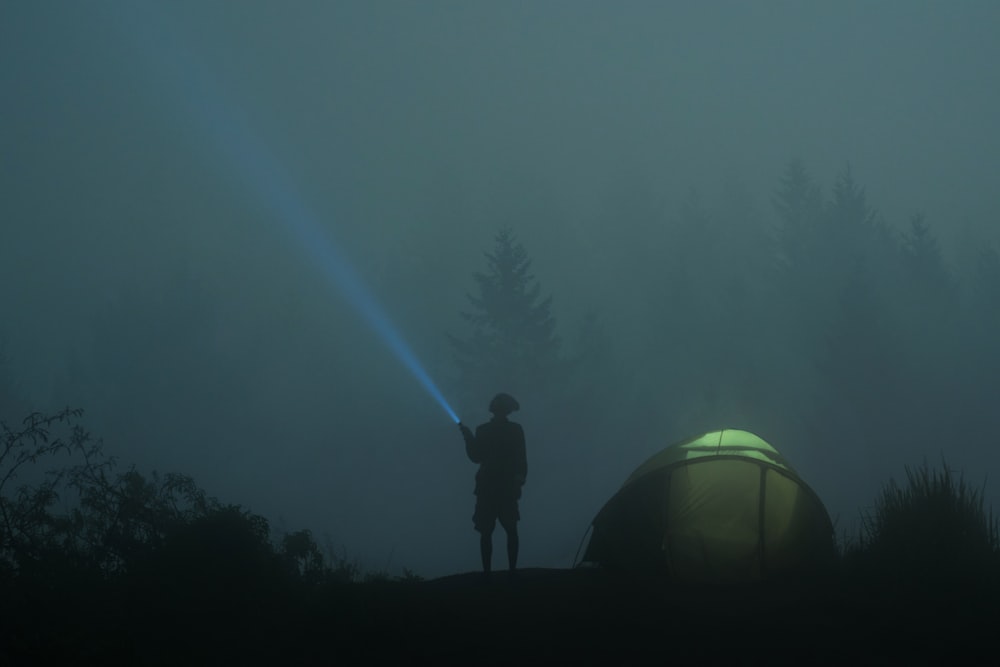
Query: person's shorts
(489,508)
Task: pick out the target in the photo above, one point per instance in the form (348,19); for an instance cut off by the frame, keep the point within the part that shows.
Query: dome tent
(722,507)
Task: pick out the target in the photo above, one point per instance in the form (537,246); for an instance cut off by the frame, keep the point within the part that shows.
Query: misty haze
(645,221)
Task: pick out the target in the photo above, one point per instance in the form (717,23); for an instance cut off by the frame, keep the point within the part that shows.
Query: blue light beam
(242,157)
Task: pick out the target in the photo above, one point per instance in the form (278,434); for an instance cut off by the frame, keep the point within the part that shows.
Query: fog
(642,153)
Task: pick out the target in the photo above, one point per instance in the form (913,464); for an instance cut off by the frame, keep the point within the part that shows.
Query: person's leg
(485,521)
(513,543)
(486,548)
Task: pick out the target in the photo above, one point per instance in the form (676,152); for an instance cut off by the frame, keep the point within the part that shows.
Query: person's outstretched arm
(472,449)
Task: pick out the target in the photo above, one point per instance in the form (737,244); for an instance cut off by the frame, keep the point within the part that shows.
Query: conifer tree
(513,341)
(922,259)
(798,205)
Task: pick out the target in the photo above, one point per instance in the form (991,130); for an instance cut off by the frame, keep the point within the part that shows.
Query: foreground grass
(932,533)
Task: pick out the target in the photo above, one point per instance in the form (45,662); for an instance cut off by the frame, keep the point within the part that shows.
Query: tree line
(819,322)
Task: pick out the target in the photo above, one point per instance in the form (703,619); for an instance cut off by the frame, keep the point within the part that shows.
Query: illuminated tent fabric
(724,506)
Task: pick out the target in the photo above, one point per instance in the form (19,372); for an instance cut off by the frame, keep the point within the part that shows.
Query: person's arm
(472,449)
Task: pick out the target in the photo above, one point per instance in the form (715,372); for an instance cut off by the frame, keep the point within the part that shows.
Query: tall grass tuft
(933,533)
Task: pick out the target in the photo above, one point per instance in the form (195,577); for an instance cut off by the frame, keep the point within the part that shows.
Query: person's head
(503,404)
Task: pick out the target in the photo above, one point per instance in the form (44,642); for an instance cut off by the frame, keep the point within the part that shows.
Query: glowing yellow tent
(722,507)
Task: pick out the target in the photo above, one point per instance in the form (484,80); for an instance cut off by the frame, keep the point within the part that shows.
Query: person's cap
(504,404)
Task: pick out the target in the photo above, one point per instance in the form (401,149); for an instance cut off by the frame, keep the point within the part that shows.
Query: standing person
(498,448)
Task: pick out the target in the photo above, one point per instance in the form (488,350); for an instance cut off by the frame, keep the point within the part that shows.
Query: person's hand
(466,431)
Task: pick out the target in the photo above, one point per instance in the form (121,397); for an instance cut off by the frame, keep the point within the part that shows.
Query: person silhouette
(499,449)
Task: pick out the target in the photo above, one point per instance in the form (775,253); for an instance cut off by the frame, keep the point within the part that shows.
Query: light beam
(242,156)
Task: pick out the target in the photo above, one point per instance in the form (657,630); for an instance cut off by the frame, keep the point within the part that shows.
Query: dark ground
(593,618)
(542,616)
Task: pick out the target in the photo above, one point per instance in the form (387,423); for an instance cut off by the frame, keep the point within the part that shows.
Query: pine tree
(922,259)
(803,264)
(849,205)
(986,290)
(931,337)
(513,343)
(984,332)
(798,205)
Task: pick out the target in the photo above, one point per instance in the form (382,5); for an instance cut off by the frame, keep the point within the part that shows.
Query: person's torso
(500,442)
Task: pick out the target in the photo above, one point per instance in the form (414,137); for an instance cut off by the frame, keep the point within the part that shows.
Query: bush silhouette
(933,533)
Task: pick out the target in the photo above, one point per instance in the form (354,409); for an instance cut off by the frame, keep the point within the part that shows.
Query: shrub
(28,529)
(934,532)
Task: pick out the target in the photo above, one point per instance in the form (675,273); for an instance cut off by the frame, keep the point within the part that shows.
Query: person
(499,449)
